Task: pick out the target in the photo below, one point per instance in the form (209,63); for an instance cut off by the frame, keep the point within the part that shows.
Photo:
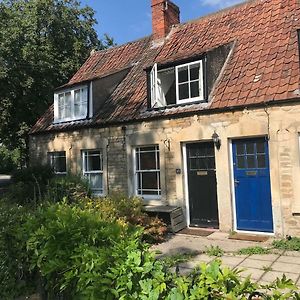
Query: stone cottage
(203,115)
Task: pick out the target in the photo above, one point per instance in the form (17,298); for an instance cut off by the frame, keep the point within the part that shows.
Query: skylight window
(71,105)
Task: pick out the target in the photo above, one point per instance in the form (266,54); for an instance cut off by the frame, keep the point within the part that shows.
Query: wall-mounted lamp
(216,139)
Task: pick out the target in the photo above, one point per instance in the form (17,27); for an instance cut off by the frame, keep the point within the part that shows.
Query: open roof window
(176,85)
(188,81)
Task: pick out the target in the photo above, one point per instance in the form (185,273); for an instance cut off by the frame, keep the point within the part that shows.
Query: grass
(173,260)
(254,250)
(291,244)
(214,251)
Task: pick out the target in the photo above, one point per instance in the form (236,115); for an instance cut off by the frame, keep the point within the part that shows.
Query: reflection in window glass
(93,169)
(250,148)
(147,171)
(58,162)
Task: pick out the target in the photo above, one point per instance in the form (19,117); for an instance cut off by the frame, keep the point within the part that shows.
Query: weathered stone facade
(280,123)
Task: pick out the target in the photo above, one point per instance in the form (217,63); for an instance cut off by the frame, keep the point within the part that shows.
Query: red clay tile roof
(264,65)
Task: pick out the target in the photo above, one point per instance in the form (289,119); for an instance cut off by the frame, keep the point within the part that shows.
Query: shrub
(130,210)
(29,185)
(117,206)
(73,248)
(72,188)
(10,159)
(14,268)
(155,229)
(82,256)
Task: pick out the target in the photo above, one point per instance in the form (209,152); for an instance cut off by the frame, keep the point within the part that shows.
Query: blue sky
(127,20)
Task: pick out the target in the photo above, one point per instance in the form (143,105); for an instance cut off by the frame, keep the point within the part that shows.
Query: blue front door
(252,185)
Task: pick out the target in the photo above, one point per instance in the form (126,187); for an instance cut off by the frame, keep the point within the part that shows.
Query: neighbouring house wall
(281,124)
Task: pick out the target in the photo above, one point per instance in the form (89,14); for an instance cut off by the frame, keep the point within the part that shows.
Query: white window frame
(57,119)
(54,155)
(137,172)
(201,92)
(155,85)
(99,191)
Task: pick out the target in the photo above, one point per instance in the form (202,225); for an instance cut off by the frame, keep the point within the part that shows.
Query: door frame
(230,143)
(185,177)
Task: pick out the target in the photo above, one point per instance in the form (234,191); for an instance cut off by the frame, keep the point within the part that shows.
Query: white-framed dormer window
(189,82)
(92,166)
(177,85)
(147,171)
(71,104)
(58,162)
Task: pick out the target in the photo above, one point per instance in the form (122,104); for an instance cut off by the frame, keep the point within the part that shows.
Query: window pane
(58,161)
(68,105)
(240,162)
(194,164)
(96,181)
(150,180)
(260,147)
(261,161)
(211,163)
(84,93)
(250,148)
(77,103)
(93,161)
(202,163)
(251,162)
(148,183)
(148,161)
(195,89)
(194,71)
(184,91)
(240,149)
(183,74)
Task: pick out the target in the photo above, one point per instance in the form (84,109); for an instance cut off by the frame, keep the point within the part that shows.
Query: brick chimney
(164,14)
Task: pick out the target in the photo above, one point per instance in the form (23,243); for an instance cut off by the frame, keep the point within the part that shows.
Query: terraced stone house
(203,115)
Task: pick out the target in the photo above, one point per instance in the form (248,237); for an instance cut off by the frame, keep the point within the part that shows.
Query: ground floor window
(147,171)
(93,169)
(58,162)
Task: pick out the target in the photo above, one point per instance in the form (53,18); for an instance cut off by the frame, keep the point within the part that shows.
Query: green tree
(42,44)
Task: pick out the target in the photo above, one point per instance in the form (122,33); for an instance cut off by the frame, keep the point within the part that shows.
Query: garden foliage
(71,246)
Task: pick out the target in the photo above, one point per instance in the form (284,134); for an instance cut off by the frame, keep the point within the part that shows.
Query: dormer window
(71,105)
(177,85)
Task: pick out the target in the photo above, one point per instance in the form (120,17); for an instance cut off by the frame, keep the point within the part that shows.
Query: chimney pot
(165,14)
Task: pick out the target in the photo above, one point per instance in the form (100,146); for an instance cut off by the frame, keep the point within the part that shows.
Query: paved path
(262,268)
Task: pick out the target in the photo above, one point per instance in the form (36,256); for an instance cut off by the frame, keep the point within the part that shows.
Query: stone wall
(281,124)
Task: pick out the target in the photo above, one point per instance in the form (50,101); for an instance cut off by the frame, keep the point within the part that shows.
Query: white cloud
(220,3)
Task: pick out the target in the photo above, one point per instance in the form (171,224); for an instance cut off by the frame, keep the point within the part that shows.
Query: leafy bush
(80,255)
(155,229)
(72,188)
(129,210)
(10,160)
(29,185)
(73,248)
(116,206)
(14,267)
(291,244)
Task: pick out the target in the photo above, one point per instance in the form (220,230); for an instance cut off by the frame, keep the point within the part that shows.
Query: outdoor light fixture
(216,139)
